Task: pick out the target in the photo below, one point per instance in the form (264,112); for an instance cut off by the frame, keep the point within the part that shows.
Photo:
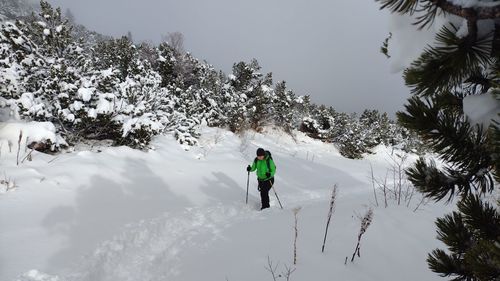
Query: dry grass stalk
(330,213)
(365,223)
(296,228)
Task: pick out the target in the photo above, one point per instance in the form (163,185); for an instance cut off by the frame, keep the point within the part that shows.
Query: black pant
(264,188)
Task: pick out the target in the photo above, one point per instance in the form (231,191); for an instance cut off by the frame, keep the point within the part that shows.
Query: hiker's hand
(249,168)
(268,174)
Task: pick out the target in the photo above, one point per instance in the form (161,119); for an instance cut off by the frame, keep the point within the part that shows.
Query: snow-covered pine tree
(52,81)
(303,105)
(260,102)
(189,71)
(284,107)
(121,54)
(340,126)
(165,65)
(373,123)
(245,84)
(18,55)
(51,31)
(352,141)
(324,118)
(217,95)
(467,60)
(148,52)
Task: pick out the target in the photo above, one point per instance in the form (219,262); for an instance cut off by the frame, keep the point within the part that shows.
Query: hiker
(266,169)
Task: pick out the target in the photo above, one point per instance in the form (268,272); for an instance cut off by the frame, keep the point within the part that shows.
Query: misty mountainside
(92,87)
(16,9)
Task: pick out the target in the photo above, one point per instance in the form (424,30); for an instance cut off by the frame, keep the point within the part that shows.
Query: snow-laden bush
(21,136)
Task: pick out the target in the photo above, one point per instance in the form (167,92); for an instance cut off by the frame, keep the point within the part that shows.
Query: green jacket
(262,169)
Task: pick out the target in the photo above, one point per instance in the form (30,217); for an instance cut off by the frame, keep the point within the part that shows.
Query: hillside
(170,214)
(16,9)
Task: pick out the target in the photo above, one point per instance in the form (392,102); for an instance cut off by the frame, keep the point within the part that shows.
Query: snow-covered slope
(169,214)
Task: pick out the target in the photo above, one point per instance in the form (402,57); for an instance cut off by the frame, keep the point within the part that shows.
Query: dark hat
(261,152)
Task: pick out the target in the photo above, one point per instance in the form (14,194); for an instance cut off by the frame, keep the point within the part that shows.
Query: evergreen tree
(51,31)
(324,117)
(165,65)
(284,107)
(218,97)
(120,54)
(260,105)
(251,106)
(189,71)
(351,138)
(458,65)
(18,56)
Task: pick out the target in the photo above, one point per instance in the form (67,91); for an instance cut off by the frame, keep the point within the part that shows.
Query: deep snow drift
(169,214)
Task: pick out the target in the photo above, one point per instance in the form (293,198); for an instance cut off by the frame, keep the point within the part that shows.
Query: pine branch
(450,63)
(495,142)
(429,12)
(430,8)
(454,233)
(477,13)
(399,6)
(443,127)
(447,265)
(480,216)
(471,235)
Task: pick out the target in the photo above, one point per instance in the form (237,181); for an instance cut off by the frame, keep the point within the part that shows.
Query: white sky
(328,49)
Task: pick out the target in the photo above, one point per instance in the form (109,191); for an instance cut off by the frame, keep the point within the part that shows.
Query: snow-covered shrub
(186,131)
(41,135)
(310,127)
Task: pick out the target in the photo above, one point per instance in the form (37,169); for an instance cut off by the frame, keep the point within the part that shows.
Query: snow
(134,123)
(465,3)
(28,101)
(92,113)
(170,214)
(482,109)
(266,89)
(85,93)
(108,72)
(105,103)
(76,106)
(11,131)
(19,40)
(35,275)
(474,3)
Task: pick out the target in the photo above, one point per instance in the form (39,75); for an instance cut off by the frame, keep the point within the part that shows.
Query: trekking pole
(276,194)
(248,179)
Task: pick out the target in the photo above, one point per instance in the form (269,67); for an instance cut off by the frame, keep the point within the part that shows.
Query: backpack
(267,160)
(270,157)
